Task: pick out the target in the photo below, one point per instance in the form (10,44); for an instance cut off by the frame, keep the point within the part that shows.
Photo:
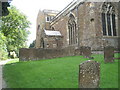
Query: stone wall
(26,54)
(42,24)
(88,19)
(61,25)
(51,42)
(89,25)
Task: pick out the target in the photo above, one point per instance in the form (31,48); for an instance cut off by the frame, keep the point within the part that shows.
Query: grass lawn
(57,73)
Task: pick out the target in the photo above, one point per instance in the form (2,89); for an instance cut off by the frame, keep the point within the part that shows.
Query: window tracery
(73,38)
(108,20)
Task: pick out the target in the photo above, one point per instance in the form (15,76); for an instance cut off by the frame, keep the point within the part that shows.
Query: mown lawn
(57,73)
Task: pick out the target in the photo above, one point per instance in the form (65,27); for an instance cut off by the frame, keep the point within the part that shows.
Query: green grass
(57,73)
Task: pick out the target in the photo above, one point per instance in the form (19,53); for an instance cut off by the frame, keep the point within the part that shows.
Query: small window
(48,19)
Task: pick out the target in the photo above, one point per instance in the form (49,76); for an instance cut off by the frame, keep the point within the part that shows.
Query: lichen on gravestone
(89,74)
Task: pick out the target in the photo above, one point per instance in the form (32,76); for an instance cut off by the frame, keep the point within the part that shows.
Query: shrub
(3,48)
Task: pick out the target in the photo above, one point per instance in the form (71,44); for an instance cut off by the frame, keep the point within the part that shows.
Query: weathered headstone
(86,51)
(77,52)
(109,54)
(89,74)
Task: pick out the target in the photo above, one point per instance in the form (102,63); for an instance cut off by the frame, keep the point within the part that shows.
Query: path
(4,62)
(2,82)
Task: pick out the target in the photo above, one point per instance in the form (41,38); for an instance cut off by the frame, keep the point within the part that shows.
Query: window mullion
(69,33)
(111,24)
(106,24)
(73,33)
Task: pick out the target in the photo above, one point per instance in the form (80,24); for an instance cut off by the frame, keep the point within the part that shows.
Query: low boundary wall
(27,54)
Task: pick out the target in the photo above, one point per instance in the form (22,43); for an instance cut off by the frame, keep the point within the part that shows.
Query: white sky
(31,7)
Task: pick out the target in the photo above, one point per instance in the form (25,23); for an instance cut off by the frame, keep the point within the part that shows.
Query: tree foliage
(15,29)
(3,47)
(32,45)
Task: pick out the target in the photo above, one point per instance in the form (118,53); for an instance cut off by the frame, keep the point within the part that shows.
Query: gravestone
(109,54)
(86,51)
(89,74)
(77,52)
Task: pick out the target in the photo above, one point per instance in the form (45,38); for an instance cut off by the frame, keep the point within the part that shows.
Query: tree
(3,47)
(15,29)
(32,45)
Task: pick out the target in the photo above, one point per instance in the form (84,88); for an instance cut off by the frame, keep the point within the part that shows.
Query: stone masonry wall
(39,54)
(53,42)
(61,25)
(39,22)
(89,25)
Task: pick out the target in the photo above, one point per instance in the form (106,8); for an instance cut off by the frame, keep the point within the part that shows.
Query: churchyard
(58,73)
(60,56)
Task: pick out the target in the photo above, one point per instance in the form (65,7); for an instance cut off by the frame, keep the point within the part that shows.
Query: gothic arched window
(108,20)
(73,37)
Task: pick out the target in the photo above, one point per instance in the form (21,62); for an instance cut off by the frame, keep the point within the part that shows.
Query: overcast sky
(31,7)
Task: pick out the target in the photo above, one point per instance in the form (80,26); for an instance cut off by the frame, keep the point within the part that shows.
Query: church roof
(52,33)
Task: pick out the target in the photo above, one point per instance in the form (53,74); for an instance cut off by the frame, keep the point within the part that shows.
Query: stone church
(93,24)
